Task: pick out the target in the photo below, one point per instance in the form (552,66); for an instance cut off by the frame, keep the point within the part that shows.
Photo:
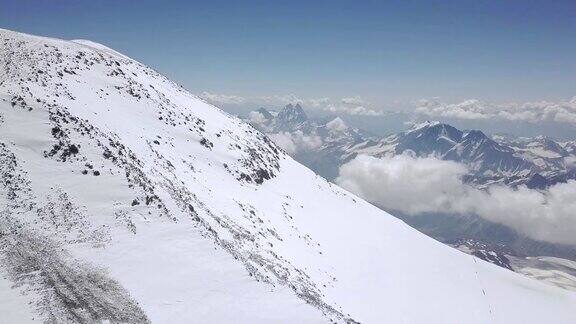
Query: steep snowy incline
(124,197)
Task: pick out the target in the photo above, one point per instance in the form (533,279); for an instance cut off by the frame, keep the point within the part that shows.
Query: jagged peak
(292,113)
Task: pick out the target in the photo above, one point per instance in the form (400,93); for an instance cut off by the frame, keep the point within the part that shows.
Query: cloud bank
(256,117)
(418,185)
(216,98)
(473,109)
(533,112)
(296,141)
(349,105)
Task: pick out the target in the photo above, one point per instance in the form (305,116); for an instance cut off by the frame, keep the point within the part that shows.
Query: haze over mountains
(127,199)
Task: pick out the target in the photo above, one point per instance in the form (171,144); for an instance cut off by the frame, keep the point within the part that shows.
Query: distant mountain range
(537,162)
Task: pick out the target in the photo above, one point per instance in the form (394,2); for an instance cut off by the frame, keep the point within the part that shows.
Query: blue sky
(384,51)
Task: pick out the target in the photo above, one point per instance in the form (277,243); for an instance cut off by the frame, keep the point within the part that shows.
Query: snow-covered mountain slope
(125,198)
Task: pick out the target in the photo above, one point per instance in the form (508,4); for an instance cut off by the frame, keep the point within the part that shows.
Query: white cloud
(320,102)
(296,141)
(403,183)
(215,98)
(278,99)
(417,185)
(533,112)
(284,140)
(348,105)
(352,101)
(352,110)
(226,99)
(355,106)
(308,142)
(256,117)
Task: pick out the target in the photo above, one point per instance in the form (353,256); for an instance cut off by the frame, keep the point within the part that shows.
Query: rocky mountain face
(126,199)
(289,118)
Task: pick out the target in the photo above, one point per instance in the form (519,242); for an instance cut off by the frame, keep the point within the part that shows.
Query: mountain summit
(127,199)
(291,116)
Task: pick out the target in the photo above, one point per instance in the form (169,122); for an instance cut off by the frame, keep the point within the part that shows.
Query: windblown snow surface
(124,198)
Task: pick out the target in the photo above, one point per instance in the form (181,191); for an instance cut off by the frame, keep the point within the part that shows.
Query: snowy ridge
(126,198)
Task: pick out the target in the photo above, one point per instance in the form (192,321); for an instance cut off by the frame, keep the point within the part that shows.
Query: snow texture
(124,198)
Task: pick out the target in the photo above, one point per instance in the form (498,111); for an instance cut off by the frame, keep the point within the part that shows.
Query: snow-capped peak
(337,125)
(424,124)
